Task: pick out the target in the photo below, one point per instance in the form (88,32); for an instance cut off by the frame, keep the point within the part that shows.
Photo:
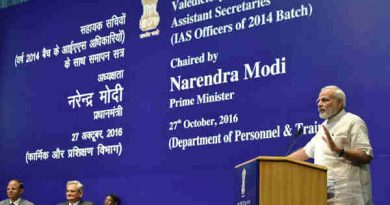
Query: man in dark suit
(74,193)
(15,190)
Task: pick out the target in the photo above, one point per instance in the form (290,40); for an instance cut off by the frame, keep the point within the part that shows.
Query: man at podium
(342,145)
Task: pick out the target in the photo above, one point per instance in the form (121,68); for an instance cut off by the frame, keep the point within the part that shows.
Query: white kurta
(348,184)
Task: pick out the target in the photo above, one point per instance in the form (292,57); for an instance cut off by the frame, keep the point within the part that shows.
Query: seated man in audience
(15,190)
(74,193)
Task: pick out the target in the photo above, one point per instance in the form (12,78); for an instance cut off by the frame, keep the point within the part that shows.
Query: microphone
(296,135)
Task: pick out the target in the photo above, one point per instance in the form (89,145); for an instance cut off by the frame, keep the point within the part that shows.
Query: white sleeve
(310,146)
(359,137)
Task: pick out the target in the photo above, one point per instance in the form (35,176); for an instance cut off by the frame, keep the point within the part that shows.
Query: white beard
(330,112)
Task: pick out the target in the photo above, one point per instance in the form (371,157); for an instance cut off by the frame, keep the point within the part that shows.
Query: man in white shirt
(74,193)
(343,146)
(15,190)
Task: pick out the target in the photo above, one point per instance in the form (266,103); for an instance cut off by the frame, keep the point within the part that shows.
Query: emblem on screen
(243,178)
(150,19)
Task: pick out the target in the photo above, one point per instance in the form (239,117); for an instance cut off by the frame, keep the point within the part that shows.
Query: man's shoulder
(81,203)
(23,202)
(26,202)
(3,202)
(353,118)
(86,203)
(352,115)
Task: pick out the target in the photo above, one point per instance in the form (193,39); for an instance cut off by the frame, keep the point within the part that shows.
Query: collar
(336,117)
(17,202)
(75,203)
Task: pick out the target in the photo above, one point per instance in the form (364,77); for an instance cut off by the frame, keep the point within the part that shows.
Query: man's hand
(356,156)
(328,139)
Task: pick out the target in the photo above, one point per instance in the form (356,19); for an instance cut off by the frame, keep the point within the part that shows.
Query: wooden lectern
(280,181)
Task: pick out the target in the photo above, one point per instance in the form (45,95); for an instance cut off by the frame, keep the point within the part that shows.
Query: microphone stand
(290,146)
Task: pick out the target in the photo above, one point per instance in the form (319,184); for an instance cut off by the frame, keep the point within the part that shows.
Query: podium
(269,180)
